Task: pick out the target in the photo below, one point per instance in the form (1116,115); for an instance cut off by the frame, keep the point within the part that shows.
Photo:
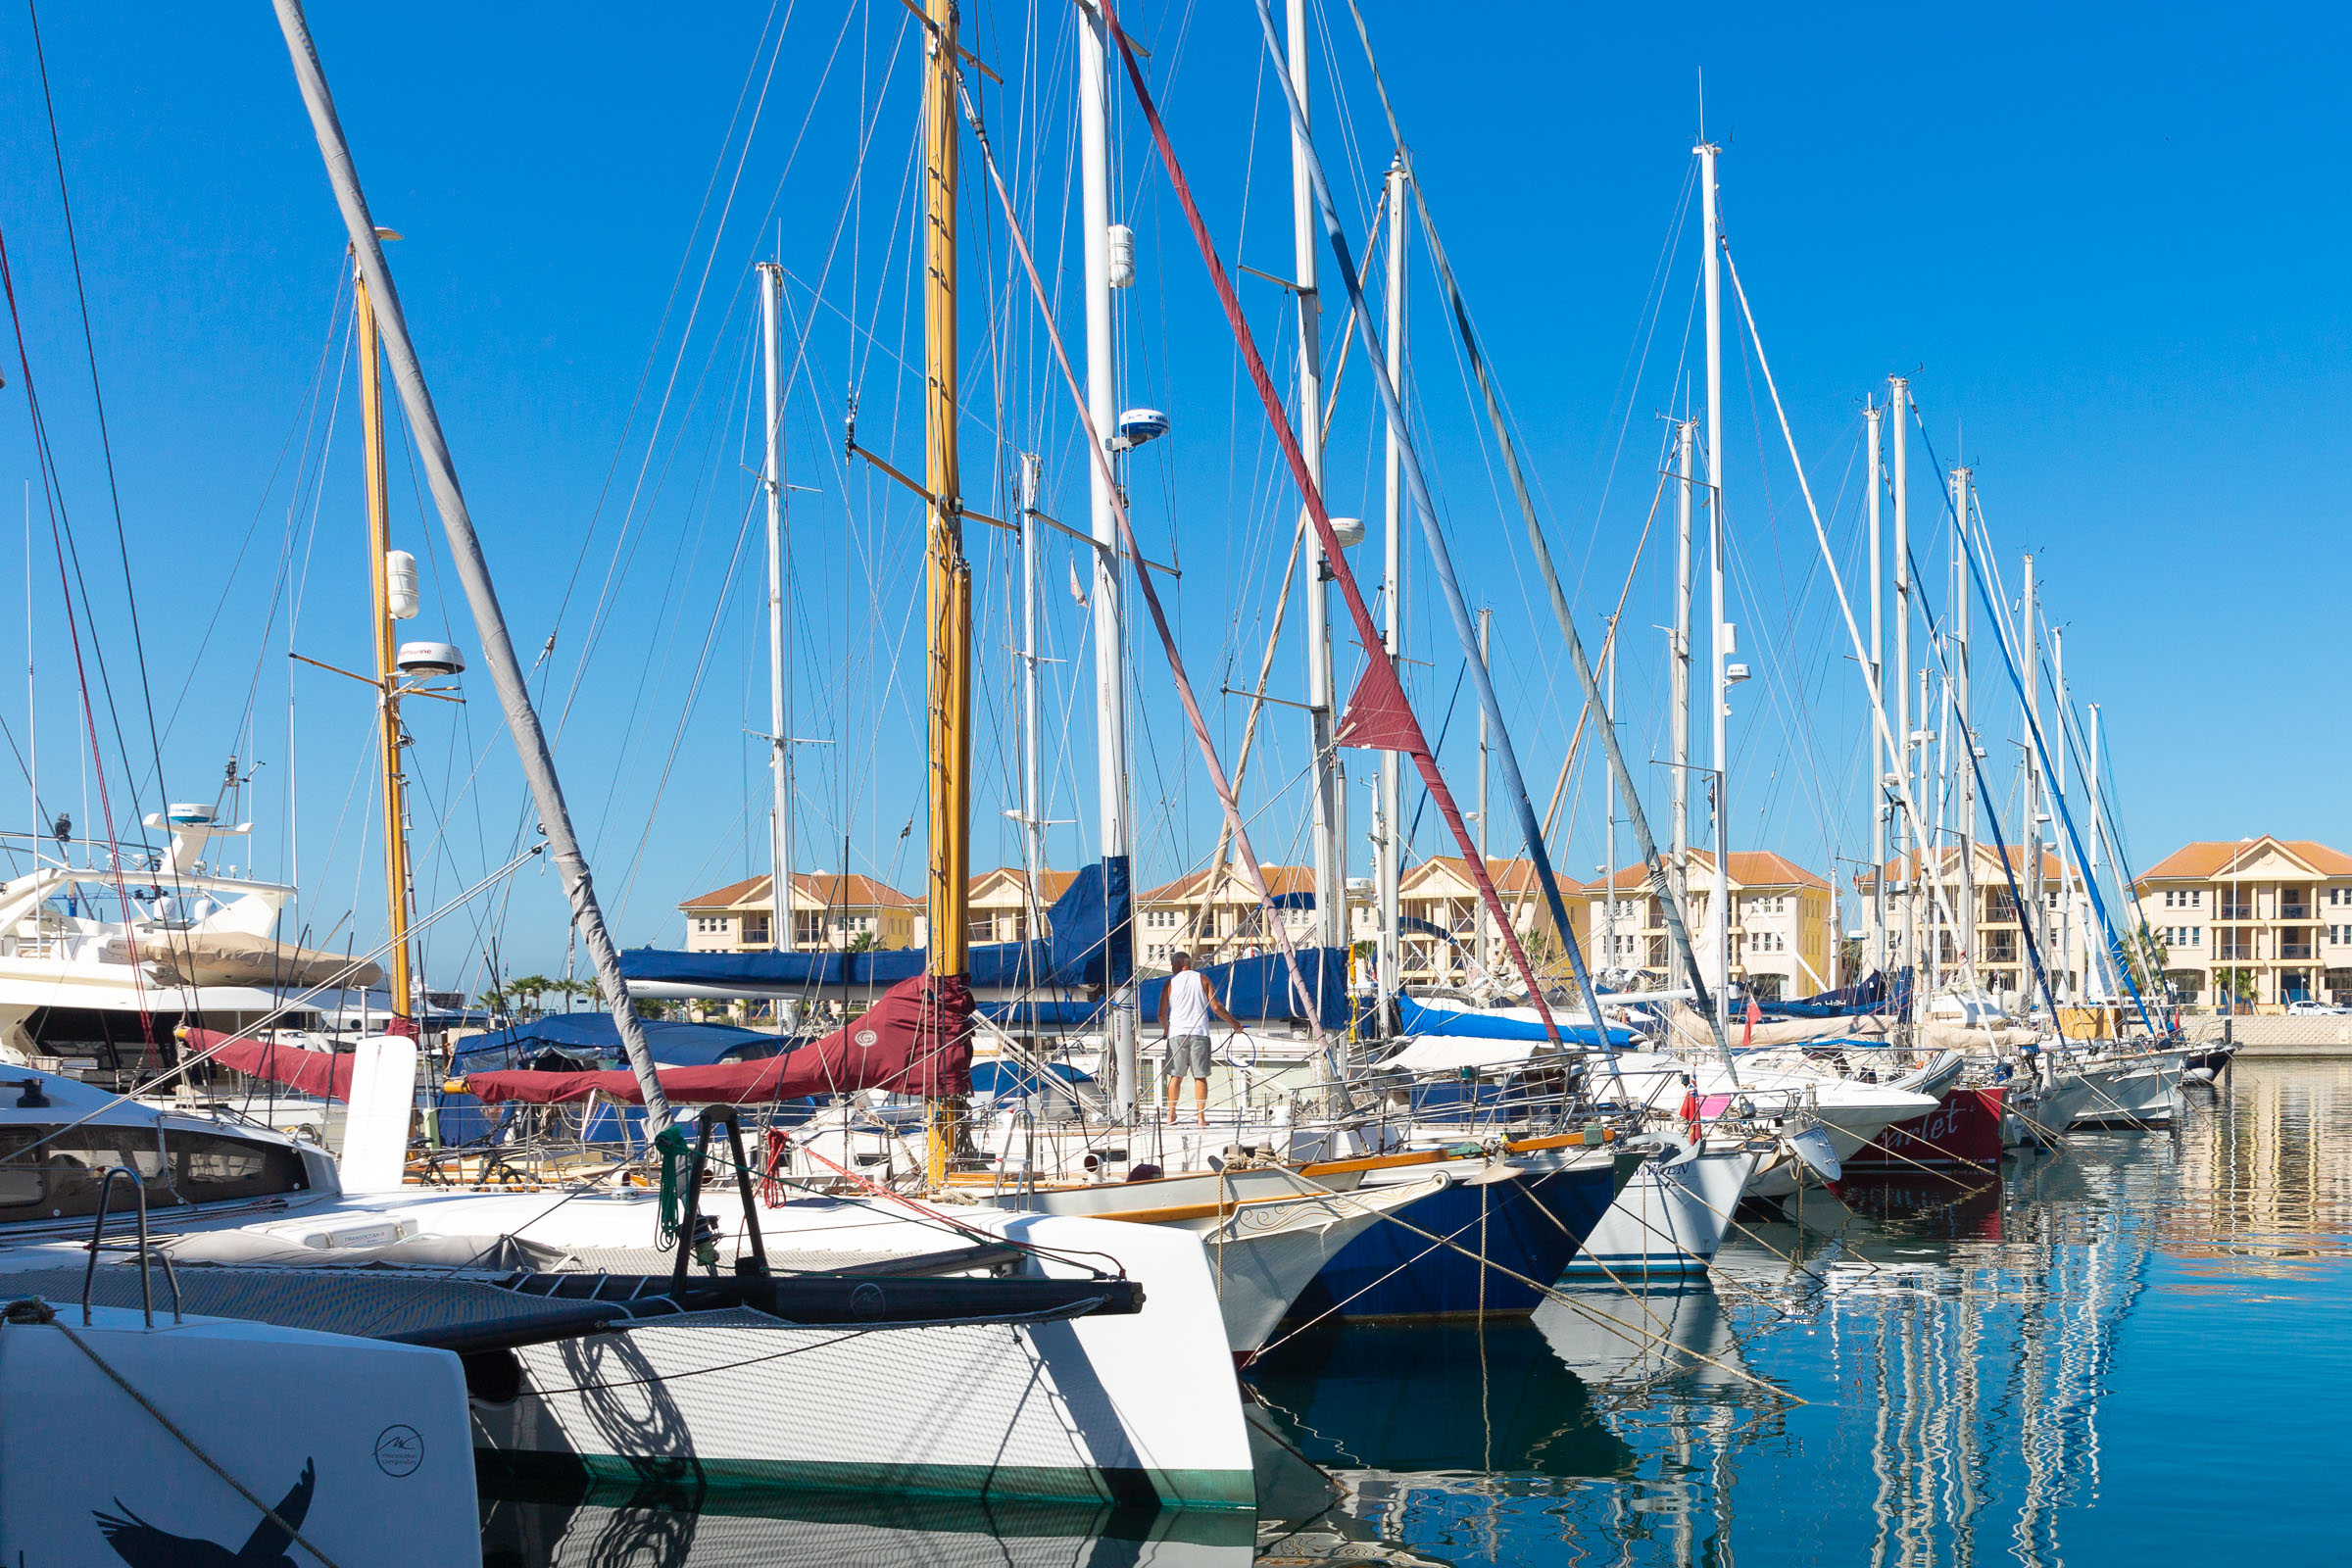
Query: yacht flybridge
(99,964)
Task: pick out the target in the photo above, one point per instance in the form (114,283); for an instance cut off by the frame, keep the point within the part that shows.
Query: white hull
(2142,1092)
(1137,1407)
(1266,1234)
(1670,1218)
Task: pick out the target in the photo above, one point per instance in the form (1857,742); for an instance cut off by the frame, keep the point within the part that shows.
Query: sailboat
(756,1342)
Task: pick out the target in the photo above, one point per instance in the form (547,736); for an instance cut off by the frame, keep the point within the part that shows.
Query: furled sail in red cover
(913,1041)
(325,1073)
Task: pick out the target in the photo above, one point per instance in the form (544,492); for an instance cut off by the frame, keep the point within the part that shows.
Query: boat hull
(1528,1226)
(1965,1129)
(1670,1218)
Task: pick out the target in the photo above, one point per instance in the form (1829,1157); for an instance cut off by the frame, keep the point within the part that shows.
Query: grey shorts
(1187,1057)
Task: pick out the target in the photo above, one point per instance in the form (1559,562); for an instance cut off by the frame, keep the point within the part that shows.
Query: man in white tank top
(1185,1005)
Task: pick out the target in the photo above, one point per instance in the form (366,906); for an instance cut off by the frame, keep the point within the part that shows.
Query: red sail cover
(915,1039)
(325,1073)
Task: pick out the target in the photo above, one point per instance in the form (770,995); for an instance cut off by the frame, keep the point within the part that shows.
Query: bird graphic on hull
(143,1545)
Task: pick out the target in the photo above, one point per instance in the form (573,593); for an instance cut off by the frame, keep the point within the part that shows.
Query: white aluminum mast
(2029,840)
(2070,849)
(1880,762)
(1109,599)
(1608,842)
(779,735)
(2099,836)
(1965,913)
(1330,806)
(1898,404)
(1392,601)
(1679,741)
(1719,634)
(1032,811)
(1487,932)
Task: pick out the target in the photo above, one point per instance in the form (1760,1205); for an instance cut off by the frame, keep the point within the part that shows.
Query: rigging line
(2099,906)
(1433,529)
(1301,994)
(2042,747)
(683,558)
(304,422)
(1608,645)
(1660,883)
(1787,662)
(105,444)
(661,329)
(57,533)
(1870,675)
(52,497)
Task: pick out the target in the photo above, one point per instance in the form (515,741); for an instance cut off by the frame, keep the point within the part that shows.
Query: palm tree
(530,988)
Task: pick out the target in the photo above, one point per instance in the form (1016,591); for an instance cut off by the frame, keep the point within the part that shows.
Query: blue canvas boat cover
(1092,945)
(1258,990)
(1875,992)
(1420,1018)
(1015,1078)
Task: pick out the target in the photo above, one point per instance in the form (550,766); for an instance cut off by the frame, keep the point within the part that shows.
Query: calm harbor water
(2131,1347)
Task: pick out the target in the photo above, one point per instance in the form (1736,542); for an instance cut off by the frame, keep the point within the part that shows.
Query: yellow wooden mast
(948,579)
(387,674)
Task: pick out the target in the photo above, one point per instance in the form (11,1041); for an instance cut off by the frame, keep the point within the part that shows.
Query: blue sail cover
(1258,990)
(1092,945)
(1876,993)
(1420,1018)
(592,1036)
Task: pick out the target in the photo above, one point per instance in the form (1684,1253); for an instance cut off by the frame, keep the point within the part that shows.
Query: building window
(755,928)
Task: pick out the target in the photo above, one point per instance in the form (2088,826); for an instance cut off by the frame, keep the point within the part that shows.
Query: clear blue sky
(2099,241)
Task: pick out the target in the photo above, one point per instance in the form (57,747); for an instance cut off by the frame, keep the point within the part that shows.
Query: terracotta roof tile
(2208,859)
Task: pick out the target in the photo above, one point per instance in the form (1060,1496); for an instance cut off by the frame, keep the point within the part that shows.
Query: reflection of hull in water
(1433,1396)
(1530,1225)
(658,1526)
(1605,1334)
(1670,1218)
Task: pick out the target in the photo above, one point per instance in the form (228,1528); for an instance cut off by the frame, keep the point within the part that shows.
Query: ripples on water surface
(2132,1348)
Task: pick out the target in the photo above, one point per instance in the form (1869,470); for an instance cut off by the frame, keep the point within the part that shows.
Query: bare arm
(1217,1004)
(1169,985)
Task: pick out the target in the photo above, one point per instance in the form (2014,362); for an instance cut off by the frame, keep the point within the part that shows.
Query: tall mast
(465,556)
(1486,936)
(1964,733)
(2098,824)
(1719,634)
(1608,839)
(1031,812)
(1686,432)
(1110,588)
(1329,816)
(387,673)
(1898,403)
(2029,838)
(1880,762)
(1391,602)
(949,577)
(779,738)
(2071,867)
